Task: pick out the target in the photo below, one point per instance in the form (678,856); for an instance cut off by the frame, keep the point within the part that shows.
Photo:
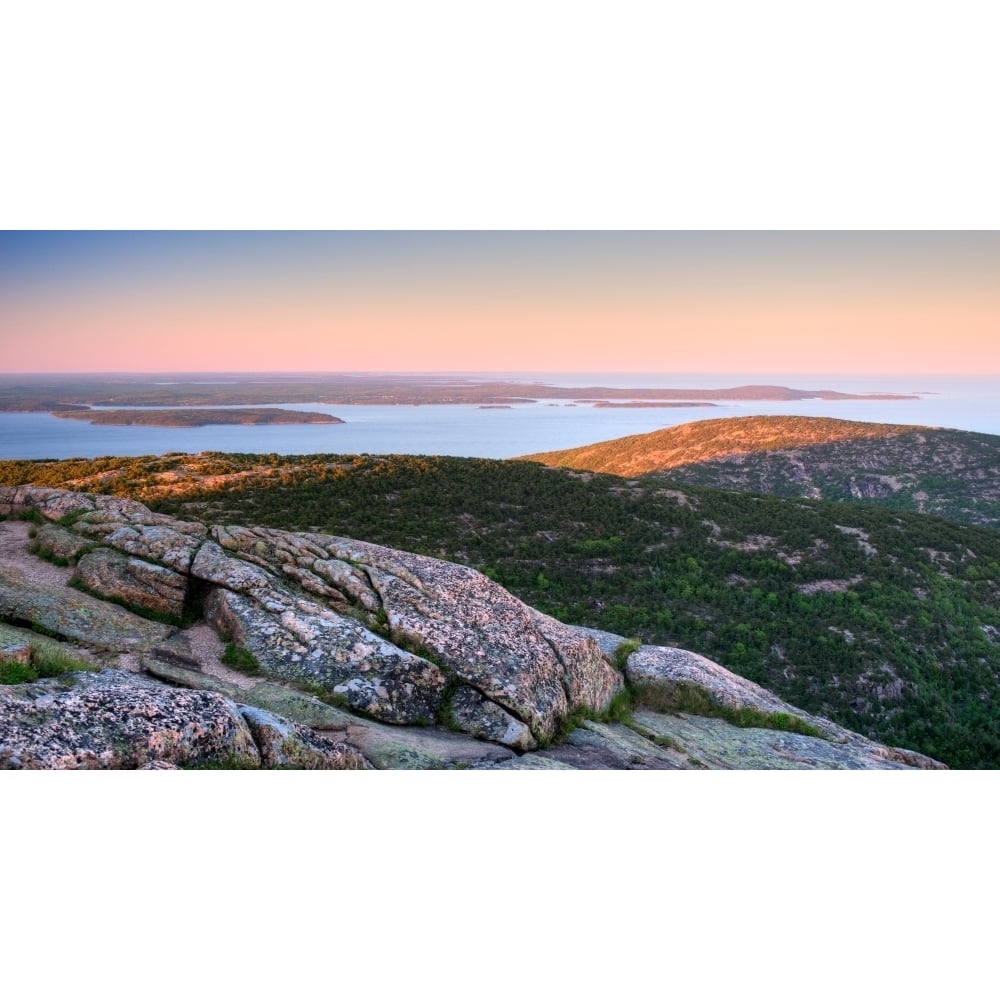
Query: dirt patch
(207,649)
(14,554)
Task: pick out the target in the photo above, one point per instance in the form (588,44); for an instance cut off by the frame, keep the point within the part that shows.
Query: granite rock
(67,613)
(115,719)
(133,581)
(303,643)
(283,744)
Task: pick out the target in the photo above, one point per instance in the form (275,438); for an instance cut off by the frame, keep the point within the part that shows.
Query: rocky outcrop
(665,669)
(301,642)
(471,713)
(156,542)
(367,656)
(118,720)
(384,746)
(72,615)
(115,719)
(54,542)
(525,665)
(134,582)
(283,744)
(714,743)
(605,746)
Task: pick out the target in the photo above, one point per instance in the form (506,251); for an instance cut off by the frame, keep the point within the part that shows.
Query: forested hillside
(954,474)
(705,440)
(887,622)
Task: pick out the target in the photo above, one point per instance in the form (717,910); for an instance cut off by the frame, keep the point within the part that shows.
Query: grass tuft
(227,762)
(240,658)
(36,550)
(685,697)
(624,651)
(43,663)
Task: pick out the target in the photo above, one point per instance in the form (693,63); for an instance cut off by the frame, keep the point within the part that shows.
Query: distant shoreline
(197,417)
(68,393)
(634,404)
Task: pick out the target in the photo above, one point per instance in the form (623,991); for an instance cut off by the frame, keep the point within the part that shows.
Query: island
(635,404)
(246,416)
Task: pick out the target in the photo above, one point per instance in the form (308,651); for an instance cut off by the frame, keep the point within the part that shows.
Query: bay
(962,402)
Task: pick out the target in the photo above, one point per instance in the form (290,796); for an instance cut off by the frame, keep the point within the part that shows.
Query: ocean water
(962,402)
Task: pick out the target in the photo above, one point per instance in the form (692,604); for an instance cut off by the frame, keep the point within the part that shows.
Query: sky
(570,301)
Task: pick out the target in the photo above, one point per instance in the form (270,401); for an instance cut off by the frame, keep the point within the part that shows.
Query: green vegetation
(240,658)
(953,474)
(227,762)
(687,698)
(705,440)
(37,550)
(619,710)
(624,651)
(44,662)
(886,621)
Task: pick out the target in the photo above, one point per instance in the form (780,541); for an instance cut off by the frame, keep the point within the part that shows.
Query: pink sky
(507,313)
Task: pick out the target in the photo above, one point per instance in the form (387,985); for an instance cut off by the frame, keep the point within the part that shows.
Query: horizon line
(497,372)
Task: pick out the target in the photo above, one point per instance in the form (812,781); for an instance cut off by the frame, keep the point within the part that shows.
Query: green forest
(887,622)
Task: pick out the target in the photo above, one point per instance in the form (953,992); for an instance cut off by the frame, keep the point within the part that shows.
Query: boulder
(115,719)
(608,642)
(13,639)
(212,565)
(384,746)
(15,645)
(156,543)
(133,581)
(55,542)
(529,670)
(529,664)
(51,503)
(187,676)
(283,744)
(305,643)
(478,716)
(176,649)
